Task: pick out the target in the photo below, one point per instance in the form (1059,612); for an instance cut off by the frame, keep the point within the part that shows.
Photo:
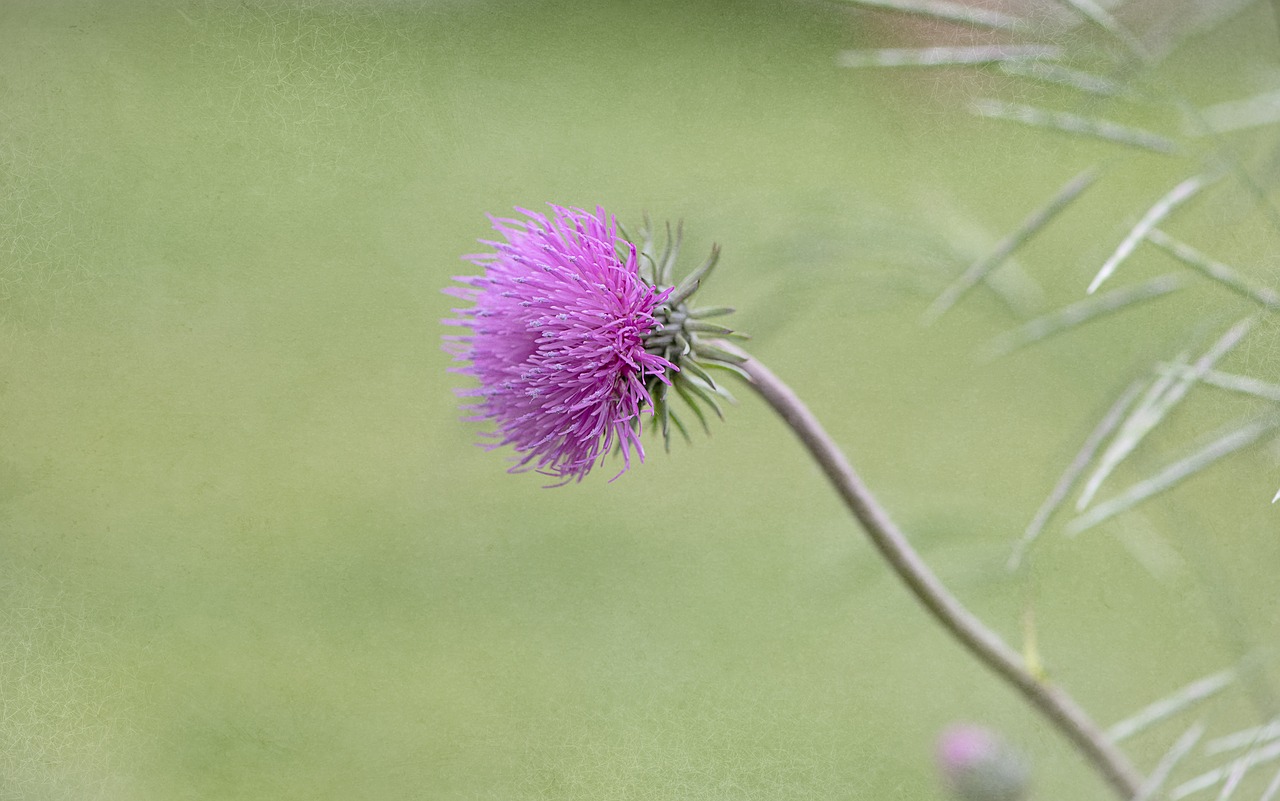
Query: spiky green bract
(683,335)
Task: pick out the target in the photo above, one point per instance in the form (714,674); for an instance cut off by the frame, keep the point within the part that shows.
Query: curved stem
(1054,703)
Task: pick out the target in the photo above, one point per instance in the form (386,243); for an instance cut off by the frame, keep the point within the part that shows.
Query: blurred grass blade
(947,56)
(1210,778)
(1079,313)
(1166,392)
(1239,768)
(948,12)
(1163,208)
(1073,472)
(1272,789)
(1049,72)
(1235,115)
(1214,270)
(1276,497)
(1243,384)
(1168,706)
(1173,474)
(1092,127)
(1102,18)
(1209,17)
(1244,738)
(1160,774)
(1005,247)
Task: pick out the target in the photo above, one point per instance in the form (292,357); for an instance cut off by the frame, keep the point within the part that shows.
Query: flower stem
(1053,702)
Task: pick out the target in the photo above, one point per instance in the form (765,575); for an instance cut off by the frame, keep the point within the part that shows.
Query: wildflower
(978,765)
(571,340)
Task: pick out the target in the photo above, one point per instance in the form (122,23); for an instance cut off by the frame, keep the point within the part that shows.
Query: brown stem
(1053,702)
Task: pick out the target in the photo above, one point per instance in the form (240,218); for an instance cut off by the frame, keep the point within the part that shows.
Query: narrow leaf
(694,279)
(1243,738)
(1172,704)
(1243,384)
(708,396)
(1079,313)
(1166,392)
(1162,208)
(948,12)
(1234,115)
(1102,18)
(1073,472)
(1049,72)
(1172,475)
(1093,127)
(1215,270)
(1212,777)
(692,403)
(947,56)
(1032,225)
(1181,747)
(1272,789)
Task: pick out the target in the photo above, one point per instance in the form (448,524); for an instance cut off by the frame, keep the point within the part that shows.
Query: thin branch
(1053,702)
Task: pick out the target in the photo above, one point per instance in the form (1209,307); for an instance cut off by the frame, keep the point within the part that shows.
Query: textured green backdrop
(247,551)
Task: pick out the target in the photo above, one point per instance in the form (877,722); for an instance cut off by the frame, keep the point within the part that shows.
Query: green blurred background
(248,551)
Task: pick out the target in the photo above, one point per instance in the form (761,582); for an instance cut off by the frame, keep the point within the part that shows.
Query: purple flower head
(558,341)
(976,764)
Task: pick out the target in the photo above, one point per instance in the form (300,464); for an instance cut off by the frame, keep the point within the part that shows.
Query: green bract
(684,337)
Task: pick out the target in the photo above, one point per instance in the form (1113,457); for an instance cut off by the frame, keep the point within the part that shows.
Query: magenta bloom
(976,764)
(557,341)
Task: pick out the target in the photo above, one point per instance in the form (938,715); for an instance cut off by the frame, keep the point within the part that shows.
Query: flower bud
(976,764)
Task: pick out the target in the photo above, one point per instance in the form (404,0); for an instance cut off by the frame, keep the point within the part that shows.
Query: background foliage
(249,552)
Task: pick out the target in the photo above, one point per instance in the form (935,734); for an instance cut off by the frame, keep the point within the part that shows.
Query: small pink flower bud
(978,765)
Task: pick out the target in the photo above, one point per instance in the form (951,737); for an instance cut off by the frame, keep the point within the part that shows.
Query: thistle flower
(573,336)
(978,765)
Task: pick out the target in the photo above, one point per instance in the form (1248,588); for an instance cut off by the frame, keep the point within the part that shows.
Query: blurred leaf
(1229,381)
(1250,112)
(1160,774)
(948,12)
(1080,313)
(1032,225)
(1166,392)
(947,56)
(1162,208)
(1172,704)
(1102,18)
(1272,789)
(1214,270)
(1237,767)
(1073,472)
(1244,738)
(1236,439)
(1066,122)
(1060,75)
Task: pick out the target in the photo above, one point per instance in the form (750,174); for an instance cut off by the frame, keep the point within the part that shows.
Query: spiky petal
(559,324)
